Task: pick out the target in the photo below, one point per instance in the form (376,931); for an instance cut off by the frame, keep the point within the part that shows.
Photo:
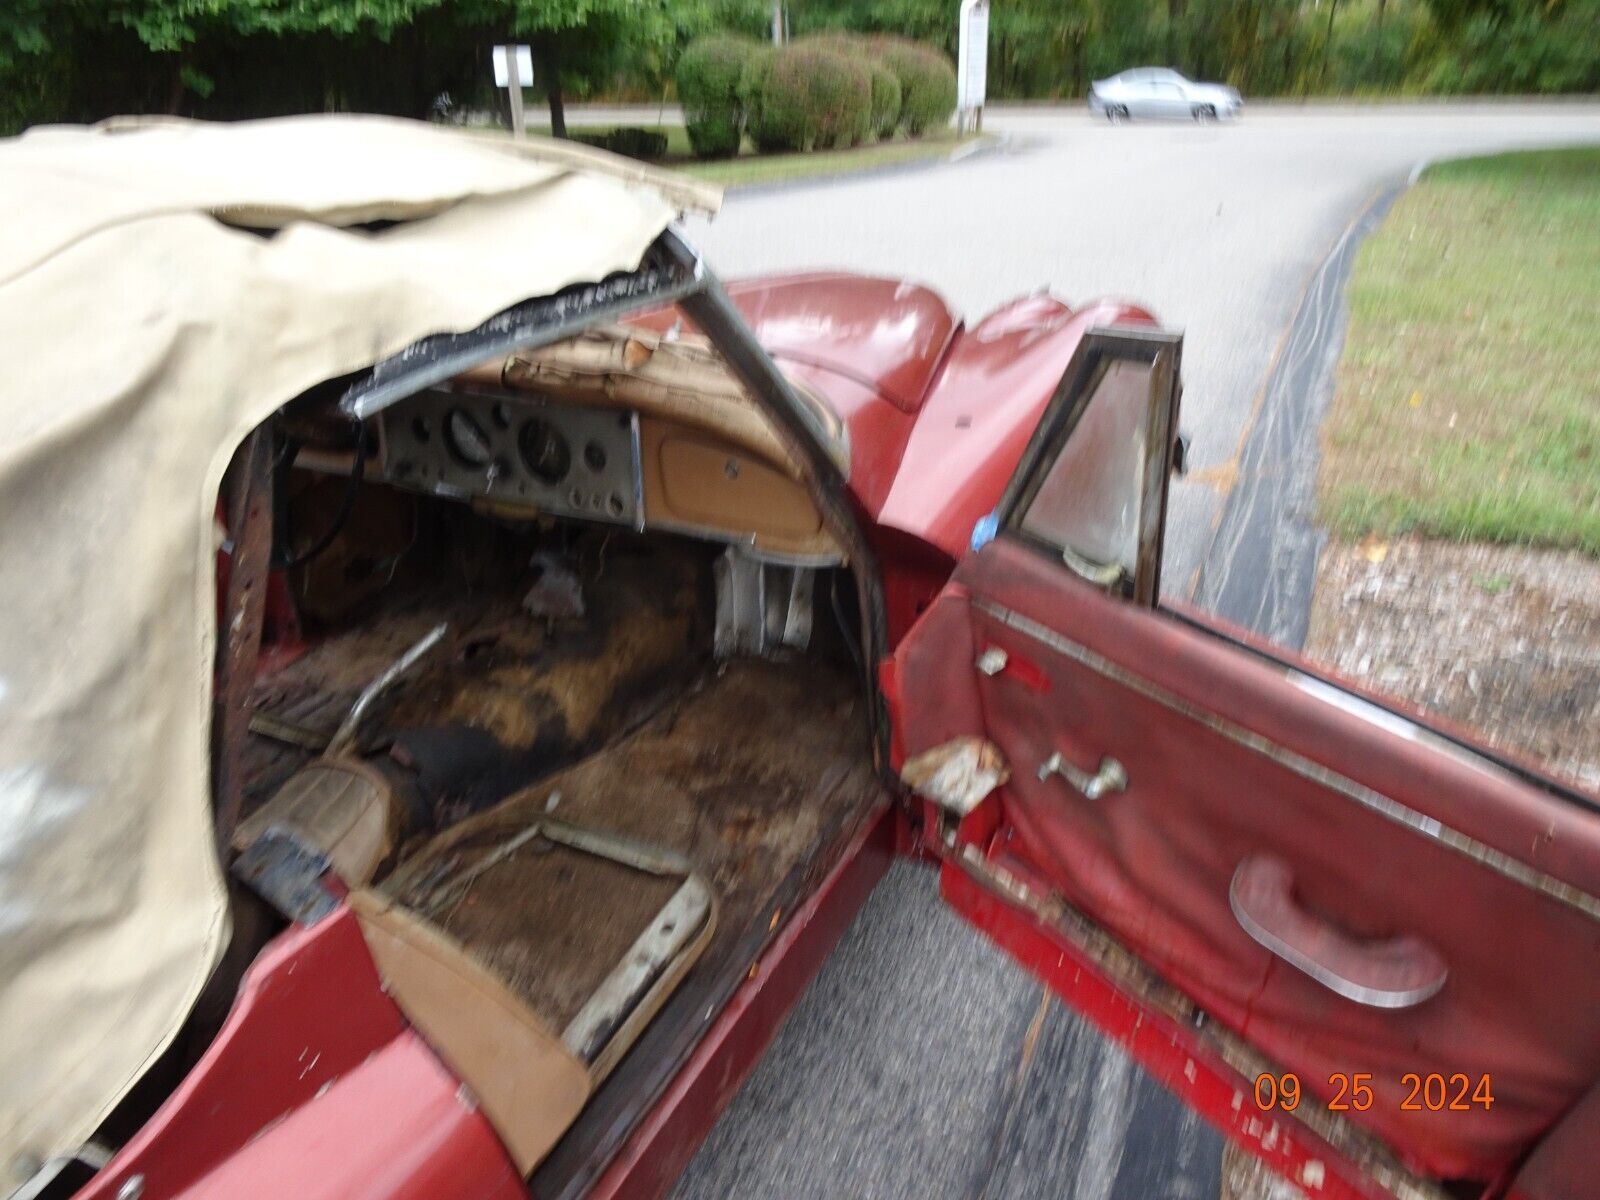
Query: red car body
(317,1086)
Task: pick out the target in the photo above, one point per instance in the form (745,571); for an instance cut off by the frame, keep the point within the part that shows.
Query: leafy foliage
(752,97)
(886,89)
(708,87)
(1520,52)
(628,140)
(886,98)
(80,60)
(813,97)
(1043,48)
(85,59)
(927,82)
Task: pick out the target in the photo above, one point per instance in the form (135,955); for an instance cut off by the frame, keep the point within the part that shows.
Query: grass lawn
(1468,401)
(767,168)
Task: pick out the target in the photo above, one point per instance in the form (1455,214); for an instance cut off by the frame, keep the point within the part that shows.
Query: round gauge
(466,439)
(545,452)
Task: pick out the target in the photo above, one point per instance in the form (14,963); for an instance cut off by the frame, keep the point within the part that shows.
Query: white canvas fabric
(144,333)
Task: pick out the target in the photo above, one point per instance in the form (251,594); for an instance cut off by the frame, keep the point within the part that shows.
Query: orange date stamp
(1433,1092)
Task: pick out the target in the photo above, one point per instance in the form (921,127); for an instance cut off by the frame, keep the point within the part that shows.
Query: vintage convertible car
(462,668)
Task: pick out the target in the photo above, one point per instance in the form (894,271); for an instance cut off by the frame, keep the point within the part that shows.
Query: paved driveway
(923,1063)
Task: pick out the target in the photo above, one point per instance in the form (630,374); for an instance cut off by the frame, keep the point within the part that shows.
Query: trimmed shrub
(752,92)
(811,97)
(885,83)
(708,77)
(927,82)
(885,99)
(650,144)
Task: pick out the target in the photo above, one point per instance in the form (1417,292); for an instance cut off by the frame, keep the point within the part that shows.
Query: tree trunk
(1327,41)
(550,59)
(175,87)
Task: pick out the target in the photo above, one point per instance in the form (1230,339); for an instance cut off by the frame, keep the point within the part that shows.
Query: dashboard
(523,450)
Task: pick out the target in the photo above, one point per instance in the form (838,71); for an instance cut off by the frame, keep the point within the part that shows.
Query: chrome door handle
(1109,778)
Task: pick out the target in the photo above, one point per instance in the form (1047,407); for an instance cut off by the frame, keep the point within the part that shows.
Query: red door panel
(1382,848)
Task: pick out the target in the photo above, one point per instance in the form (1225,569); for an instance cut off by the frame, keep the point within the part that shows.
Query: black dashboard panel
(519,449)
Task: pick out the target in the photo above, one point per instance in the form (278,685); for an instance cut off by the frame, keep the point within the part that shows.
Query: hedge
(885,83)
(885,99)
(927,82)
(628,140)
(708,77)
(752,90)
(830,89)
(809,97)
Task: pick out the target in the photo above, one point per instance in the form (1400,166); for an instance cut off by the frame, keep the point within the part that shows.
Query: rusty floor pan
(506,697)
(745,779)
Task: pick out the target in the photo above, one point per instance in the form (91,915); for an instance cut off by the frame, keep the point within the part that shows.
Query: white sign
(502,73)
(972,56)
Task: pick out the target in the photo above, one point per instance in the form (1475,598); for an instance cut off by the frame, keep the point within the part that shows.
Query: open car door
(1365,949)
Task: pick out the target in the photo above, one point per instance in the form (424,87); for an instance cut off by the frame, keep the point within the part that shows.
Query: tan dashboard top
(710,460)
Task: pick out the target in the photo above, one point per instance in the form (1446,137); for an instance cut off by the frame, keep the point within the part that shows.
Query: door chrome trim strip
(1429,827)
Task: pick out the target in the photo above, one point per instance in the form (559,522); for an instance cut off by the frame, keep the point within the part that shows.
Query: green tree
(80,60)
(239,57)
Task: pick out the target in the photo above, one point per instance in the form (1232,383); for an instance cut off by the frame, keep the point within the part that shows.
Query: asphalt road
(923,1063)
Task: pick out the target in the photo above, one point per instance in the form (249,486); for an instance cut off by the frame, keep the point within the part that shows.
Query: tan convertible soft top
(163,288)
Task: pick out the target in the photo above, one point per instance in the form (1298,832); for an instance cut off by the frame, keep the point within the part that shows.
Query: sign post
(513,70)
(972,65)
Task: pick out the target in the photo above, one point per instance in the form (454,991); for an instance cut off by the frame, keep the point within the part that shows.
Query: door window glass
(1092,485)
(1088,502)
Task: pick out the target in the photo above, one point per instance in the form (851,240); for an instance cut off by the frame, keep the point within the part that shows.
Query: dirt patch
(1502,639)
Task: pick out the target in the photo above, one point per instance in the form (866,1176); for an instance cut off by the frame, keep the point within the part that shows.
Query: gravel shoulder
(1504,640)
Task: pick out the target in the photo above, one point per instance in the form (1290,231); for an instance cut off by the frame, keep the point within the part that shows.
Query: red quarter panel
(1153,864)
(315,1088)
(401,1127)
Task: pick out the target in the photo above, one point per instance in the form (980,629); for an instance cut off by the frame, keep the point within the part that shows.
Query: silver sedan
(1158,92)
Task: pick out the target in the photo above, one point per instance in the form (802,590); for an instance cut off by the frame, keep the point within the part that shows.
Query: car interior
(569,692)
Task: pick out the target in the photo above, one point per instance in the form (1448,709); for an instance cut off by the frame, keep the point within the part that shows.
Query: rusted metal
(958,774)
(733,1035)
(1205,1066)
(805,437)
(247,501)
(290,733)
(345,737)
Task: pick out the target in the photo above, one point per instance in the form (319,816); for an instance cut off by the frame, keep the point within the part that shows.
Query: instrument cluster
(562,459)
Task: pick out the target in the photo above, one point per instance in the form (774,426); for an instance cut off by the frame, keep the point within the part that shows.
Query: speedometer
(466,439)
(545,450)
